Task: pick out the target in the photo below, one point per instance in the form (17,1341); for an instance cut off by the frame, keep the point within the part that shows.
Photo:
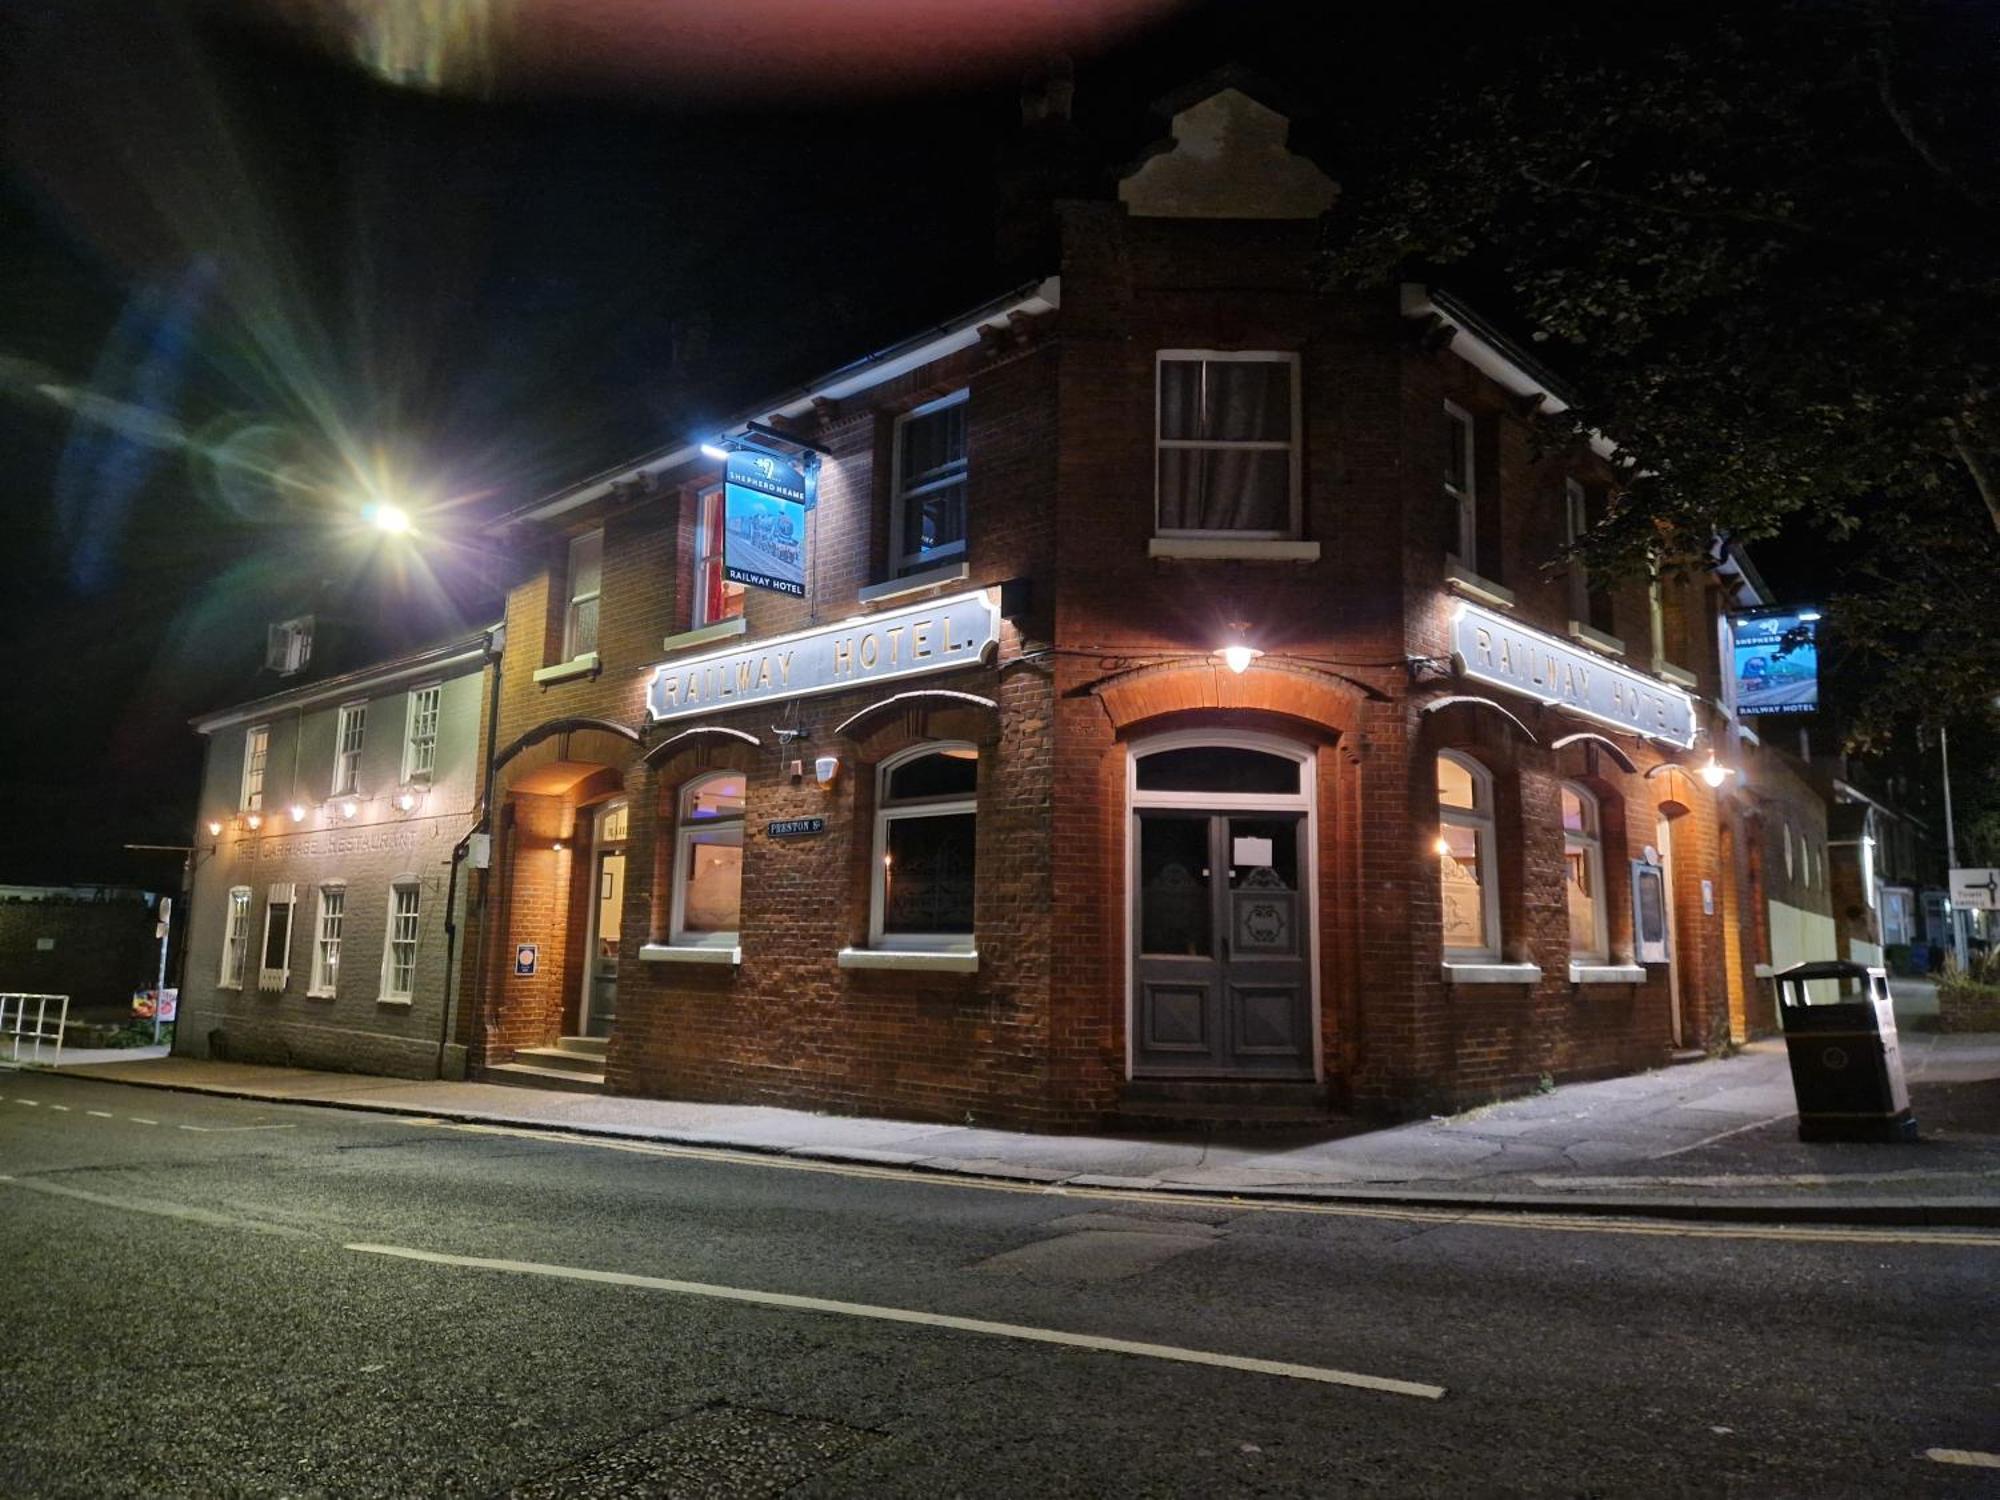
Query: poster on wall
(764,522)
(1776,661)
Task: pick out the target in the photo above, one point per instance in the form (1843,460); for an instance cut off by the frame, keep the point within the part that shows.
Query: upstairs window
(927,518)
(926,821)
(1467,863)
(715,598)
(586,582)
(1226,444)
(1461,512)
(235,938)
(288,645)
(256,750)
(708,861)
(352,724)
(420,749)
(1588,605)
(1583,859)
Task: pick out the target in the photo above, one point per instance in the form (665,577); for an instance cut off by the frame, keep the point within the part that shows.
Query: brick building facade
(1094,774)
(327,874)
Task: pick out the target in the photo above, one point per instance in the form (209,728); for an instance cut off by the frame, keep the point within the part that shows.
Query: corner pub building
(1182,715)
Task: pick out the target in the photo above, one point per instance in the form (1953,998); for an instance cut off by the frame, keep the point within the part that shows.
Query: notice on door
(1255,853)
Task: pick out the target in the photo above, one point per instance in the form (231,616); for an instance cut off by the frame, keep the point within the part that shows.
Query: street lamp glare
(392,520)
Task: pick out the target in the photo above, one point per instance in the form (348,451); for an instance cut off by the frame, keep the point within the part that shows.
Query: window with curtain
(1227,444)
(708,861)
(586,580)
(1467,864)
(715,598)
(1583,874)
(1461,514)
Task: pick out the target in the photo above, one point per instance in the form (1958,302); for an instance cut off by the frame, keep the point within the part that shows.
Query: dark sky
(243,273)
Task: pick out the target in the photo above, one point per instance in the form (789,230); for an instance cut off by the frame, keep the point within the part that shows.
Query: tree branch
(1671,210)
(1907,128)
(1982,477)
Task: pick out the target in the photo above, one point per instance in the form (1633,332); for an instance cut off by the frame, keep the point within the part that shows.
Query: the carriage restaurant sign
(1491,648)
(931,637)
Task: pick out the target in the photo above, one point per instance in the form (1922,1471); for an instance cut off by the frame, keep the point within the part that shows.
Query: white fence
(35,1019)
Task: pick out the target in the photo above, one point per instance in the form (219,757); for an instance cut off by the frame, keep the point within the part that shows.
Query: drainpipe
(496,644)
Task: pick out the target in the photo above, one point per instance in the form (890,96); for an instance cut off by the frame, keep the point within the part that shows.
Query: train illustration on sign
(774,534)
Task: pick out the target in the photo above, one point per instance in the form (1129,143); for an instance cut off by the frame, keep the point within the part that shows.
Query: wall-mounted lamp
(1443,846)
(1715,773)
(405,800)
(826,769)
(349,808)
(1237,657)
(298,812)
(254,822)
(715,451)
(557,846)
(214,829)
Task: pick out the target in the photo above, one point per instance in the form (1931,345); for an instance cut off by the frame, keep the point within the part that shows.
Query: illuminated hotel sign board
(932,637)
(1490,648)
(764,503)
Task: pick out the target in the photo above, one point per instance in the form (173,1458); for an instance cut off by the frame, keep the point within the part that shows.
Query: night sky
(255,255)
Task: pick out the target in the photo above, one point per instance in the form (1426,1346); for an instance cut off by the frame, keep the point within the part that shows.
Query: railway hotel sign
(932,637)
(764,499)
(1493,649)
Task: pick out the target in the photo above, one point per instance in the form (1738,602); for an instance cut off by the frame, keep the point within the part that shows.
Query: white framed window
(276,969)
(926,825)
(1790,873)
(927,509)
(235,938)
(420,742)
(1226,444)
(1583,874)
(326,939)
(256,751)
(715,598)
(399,954)
(708,861)
(1576,524)
(586,582)
(1461,524)
(347,734)
(1468,862)
(288,645)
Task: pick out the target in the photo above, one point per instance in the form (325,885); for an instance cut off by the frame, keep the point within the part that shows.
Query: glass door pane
(1175,907)
(1263,880)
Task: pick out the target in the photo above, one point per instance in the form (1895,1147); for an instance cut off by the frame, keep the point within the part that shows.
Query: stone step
(593,1046)
(1174,1104)
(560,1057)
(528,1075)
(1688,1055)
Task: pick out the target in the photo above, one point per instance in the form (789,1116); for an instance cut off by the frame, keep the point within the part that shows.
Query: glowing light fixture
(405,800)
(349,808)
(1443,847)
(214,829)
(714,451)
(1715,773)
(254,822)
(392,520)
(298,812)
(1238,657)
(557,846)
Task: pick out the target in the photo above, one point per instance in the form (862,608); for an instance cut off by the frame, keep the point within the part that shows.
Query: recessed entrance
(1222,909)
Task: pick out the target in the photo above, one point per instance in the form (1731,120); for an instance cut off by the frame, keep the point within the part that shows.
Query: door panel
(604,954)
(1220,977)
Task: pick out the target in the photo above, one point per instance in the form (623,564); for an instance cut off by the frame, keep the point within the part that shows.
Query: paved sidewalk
(1715,1140)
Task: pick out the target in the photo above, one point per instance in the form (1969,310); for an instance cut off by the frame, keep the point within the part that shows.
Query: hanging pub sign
(1775,661)
(764,521)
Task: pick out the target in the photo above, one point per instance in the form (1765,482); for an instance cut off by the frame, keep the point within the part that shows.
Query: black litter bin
(1847,1071)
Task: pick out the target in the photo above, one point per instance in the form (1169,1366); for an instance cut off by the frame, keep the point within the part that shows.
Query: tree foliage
(1762,246)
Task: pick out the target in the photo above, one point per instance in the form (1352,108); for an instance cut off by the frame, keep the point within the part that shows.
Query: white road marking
(924,1319)
(1964,1456)
(60,1108)
(158,1209)
(231,1129)
(101,1114)
(141,1120)
(29,1102)
(1543,1222)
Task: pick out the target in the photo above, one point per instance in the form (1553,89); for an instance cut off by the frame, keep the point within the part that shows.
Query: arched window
(1467,859)
(1583,874)
(926,818)
(708,862)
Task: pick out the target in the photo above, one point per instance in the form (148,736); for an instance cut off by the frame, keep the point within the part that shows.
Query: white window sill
(1582,973)
(238,986)
(914,583)
(579,666)
(701,635)
(398,1002)
(963,961)
(1230,549)
(321,994)
(1591,636)
(1462,580)
(1673,673)
(1489,973)
(687,953)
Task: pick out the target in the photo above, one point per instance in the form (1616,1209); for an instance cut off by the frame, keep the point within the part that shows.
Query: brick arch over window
(1289,692)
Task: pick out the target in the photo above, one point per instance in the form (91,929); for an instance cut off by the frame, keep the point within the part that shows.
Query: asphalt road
(184,1311)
